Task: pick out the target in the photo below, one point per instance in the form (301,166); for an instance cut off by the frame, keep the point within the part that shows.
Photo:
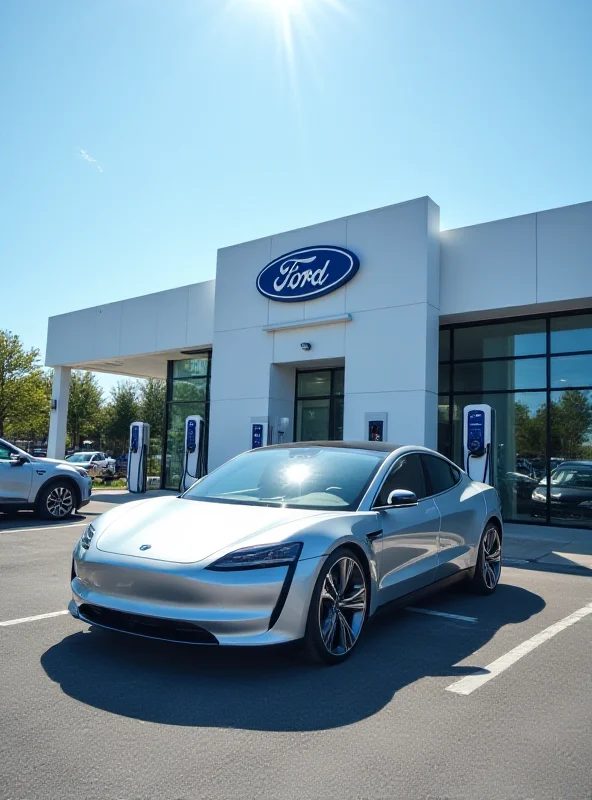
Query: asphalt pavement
(479,698)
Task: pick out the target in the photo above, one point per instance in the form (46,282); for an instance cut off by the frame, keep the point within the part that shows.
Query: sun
(285,9)
(285,5)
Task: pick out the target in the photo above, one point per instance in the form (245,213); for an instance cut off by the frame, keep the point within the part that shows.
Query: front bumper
(199,606)
(85,491)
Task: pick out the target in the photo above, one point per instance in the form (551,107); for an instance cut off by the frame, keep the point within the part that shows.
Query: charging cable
(474,455)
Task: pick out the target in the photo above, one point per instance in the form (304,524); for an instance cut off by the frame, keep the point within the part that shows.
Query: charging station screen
(135,436)
(191,435)
(476,431)
(257,436)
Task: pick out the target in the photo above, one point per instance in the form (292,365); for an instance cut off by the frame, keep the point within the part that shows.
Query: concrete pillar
(60,393)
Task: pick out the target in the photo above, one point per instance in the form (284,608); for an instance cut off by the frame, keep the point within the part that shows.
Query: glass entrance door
(319,405)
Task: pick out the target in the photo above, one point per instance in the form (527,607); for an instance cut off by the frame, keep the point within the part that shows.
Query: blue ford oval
(307,273)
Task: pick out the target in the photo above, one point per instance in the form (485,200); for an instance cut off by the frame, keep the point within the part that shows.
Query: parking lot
(478,698)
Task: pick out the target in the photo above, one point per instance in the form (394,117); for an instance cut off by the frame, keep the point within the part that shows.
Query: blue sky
(138,136)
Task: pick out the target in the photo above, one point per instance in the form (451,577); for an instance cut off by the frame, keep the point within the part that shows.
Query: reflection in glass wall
(571,458)
(519,459)
(188,391)
(537,375)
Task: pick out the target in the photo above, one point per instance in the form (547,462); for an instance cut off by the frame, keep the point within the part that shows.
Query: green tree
(84,407)
(24,388)
(531,431)
(571,425)
(123,409)
(152,400)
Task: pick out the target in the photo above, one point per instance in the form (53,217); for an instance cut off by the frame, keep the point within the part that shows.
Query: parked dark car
(571,492)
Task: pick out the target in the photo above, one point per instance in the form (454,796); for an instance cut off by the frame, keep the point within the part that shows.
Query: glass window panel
(521,338)
(444,378)
(314,384)
(444,426)
(338,381)
(444,346)
(191,367)
(569,371)
(528,373)
(312,420)
(175,438)
(337,433)
(571,458)
(569,334)
(193,390)
(520,453)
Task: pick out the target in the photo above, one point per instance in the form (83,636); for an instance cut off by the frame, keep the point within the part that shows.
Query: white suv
(97,464)
(54,489)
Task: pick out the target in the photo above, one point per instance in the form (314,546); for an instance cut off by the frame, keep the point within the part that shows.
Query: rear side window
(442,475)
(405,474)
(5,453)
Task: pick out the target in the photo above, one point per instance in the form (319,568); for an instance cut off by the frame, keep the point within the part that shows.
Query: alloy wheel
(342,606)
(60,501)
(492,557)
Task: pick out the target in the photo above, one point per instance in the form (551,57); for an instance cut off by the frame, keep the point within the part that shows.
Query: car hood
(57,462)
(564,494)
(187,531)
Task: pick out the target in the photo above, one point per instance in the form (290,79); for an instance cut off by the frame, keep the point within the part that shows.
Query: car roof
(381,447)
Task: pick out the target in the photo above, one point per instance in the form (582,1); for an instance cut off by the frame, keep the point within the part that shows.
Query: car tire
(57,501)
(338,609)
(489,561)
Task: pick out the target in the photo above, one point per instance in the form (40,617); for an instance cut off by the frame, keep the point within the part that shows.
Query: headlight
(277,555)
(81,471)
(86,537)
(536,495)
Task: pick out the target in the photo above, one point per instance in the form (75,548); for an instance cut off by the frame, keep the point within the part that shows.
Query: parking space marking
(44,527)
(32,619)
(471,682)
(417,610)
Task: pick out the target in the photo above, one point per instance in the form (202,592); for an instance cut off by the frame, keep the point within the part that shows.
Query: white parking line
(45,527)
(471,682)
(440,614)
(32,619)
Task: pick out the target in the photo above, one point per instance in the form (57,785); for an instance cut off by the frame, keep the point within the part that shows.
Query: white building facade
(376,325)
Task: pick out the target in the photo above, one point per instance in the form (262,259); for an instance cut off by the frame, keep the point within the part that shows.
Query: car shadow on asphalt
(117,497)
(268,689)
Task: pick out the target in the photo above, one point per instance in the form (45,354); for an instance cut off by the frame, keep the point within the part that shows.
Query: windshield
(576,477)
(300,477)
(77,458)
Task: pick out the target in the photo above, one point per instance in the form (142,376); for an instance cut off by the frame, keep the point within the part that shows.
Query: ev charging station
(259,434)
(137,457)
(479,443)
(194,466)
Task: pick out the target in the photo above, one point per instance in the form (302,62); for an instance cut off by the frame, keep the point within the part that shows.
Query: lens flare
(297,473)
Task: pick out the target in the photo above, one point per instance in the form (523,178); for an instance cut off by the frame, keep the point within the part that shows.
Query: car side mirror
(401,498)
(18,461)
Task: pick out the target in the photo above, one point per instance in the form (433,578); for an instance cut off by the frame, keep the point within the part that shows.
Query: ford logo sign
(307,273)
(145,546)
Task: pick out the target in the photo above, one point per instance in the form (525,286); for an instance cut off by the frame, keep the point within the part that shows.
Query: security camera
(305,345)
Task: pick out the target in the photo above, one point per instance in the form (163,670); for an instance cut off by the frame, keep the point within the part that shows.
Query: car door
(15,481)
(408,559)
(462,510)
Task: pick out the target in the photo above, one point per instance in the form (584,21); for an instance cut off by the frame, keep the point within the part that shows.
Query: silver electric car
(53,489)
(289,542)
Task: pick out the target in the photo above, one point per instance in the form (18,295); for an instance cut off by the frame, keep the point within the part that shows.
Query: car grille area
(152,627)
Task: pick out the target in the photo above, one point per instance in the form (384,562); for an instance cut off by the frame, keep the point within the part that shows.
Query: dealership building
(375,325)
